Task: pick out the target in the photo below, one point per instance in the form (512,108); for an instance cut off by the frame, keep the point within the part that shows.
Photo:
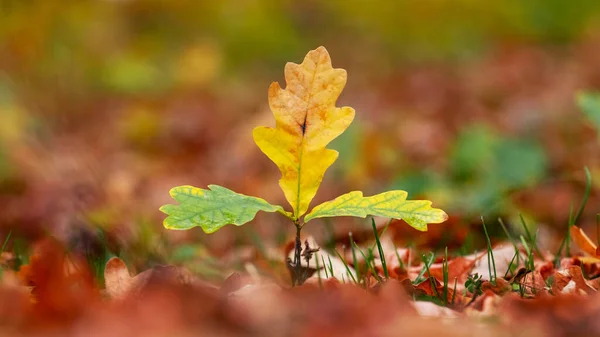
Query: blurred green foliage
(483,168)
(135,46)
(589,103)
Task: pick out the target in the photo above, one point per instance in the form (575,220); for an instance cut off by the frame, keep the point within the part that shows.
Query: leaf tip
(321,49)
(164,209)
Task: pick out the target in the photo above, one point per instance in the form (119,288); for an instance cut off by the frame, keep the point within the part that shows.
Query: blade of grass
(454,291)
(354,259)
(445,275)
(431,279)
(490,254)
(573,220)
(372,261)
(324,267)
(380,249)
(586,194)
(330,267)
(568,236)
(398,257)
(530,262)
(346,265)
(427,262)
(511,263)
(529,251)
(530,238)
(369,266)
(3,248)
(383,230)
(513,241)
(5,242)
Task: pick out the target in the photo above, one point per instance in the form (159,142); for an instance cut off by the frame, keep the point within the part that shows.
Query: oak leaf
(306,121)
(212,209)
(392,204)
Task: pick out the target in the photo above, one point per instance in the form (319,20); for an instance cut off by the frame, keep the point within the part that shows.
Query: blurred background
(106,105)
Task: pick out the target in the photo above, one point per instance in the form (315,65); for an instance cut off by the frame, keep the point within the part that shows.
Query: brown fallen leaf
(501,287)
(62,285)
(503,257)
(567,315)
(571,281)
(533,282)
(429,309)
(117,279)
(484,305)
(120,284)
(234,282)
(458,269)
(433,288)
(15,302)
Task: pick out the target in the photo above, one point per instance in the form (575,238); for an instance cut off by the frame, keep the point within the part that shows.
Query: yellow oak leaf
(306,121)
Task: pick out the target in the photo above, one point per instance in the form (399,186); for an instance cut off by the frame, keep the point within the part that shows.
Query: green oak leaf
(590,104)
(392,204)
(212,209)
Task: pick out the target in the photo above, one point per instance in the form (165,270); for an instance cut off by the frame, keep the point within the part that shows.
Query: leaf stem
(297,257)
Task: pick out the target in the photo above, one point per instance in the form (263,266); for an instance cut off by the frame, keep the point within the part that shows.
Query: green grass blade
(427,262)
(431,279)
(512,240)
(400,262)
(445,275)
(568,236)
(454,291)
(380,249)
(330,266)
(5,242)
(491,261)
(324,267)
(511,263)
(369,265)
(586,194)
(354,259)
(346,265)
(530,237)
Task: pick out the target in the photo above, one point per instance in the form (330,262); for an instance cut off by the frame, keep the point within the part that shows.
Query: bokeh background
(106,105)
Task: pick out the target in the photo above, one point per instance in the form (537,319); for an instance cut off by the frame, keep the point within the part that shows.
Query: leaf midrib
(301,153)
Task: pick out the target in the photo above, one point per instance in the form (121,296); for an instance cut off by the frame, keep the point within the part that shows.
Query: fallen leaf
(583,241)
(503,256)
(120,284)
(433,288)
(571,281)
(429,309)
(485,304)
(500,287)
(567,315)
(117,279)
(459,269)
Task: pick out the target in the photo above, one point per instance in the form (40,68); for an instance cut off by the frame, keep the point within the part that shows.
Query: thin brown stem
(296,267)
